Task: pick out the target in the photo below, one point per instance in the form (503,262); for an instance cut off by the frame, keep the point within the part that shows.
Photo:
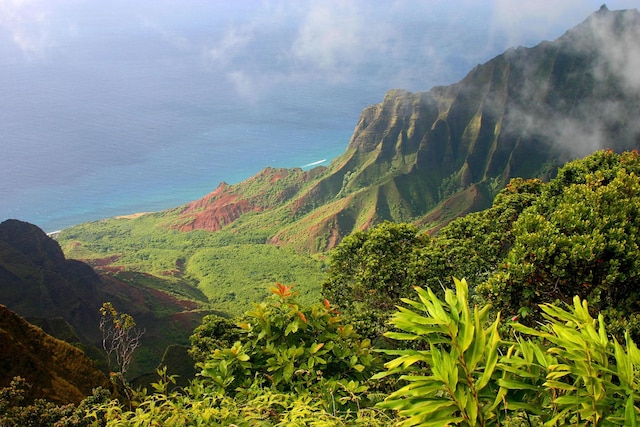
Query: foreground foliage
(580,237)
(460,357)
(460,371)
(569,372)
(291,347)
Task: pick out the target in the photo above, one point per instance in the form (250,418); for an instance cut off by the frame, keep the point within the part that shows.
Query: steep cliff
(518,115)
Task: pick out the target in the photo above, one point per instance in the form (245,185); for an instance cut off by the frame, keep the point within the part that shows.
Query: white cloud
(336,37)
(234,40)
(620,52)
(26,24)
(513,23)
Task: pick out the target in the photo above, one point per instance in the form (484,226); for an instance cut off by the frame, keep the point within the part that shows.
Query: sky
(315,40)
(134,93)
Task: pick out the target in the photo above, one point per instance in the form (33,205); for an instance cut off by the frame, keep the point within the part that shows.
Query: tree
(474,245)
(120,337)
(370,271)
(580,237)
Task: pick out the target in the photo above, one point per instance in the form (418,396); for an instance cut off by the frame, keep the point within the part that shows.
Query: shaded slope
(55,370)
(64,296)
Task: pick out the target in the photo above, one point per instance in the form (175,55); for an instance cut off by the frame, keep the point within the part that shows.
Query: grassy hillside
(198,265)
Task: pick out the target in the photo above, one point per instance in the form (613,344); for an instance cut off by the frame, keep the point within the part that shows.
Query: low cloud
(26,22)
(335,38)
(619,51)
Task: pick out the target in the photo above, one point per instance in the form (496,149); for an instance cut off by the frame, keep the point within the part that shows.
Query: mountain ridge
(520,114)
(425,157)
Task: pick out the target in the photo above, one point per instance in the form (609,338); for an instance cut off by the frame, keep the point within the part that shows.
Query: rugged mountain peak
(518,115)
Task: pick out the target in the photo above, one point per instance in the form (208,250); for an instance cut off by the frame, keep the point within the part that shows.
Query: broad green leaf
(515,384)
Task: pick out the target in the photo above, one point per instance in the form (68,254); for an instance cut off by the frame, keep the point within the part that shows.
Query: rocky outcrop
(215,210)
(268,189)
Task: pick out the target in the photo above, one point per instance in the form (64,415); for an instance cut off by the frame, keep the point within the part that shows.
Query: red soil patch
(215,210)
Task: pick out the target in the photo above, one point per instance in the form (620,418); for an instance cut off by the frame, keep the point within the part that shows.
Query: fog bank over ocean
(111,108)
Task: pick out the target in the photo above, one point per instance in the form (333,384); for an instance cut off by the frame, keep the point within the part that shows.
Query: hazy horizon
(116,107)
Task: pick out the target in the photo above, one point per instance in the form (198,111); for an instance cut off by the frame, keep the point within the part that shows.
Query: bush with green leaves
(16,410)
(568,372)
(370,271)
(288,347)
(580,237)
(252,407)
(214,332)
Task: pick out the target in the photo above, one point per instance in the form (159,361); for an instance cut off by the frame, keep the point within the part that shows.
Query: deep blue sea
(115,108)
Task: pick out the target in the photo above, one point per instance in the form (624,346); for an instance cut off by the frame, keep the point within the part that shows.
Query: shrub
(294,348)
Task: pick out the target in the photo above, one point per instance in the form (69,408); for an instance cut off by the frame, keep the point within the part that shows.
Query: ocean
(112,109)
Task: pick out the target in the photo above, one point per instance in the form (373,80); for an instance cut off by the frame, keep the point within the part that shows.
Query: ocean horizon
(115,108)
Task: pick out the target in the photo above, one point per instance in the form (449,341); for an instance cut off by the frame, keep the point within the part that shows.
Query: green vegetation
(541,332)
(291,347)
(580,237)
(566,372)
(371,270)
(234,276)
(300,365)
(197,265)
(538,243)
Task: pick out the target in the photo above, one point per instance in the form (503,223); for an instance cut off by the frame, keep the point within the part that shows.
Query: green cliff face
(519,115)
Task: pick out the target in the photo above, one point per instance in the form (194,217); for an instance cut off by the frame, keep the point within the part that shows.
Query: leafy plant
(452,380)
(291,347)
(568,372)
(594,378)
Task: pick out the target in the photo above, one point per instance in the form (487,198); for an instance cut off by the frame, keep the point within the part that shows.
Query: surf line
(314,163)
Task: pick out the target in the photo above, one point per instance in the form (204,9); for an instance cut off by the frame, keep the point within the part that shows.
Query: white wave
(314,163)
